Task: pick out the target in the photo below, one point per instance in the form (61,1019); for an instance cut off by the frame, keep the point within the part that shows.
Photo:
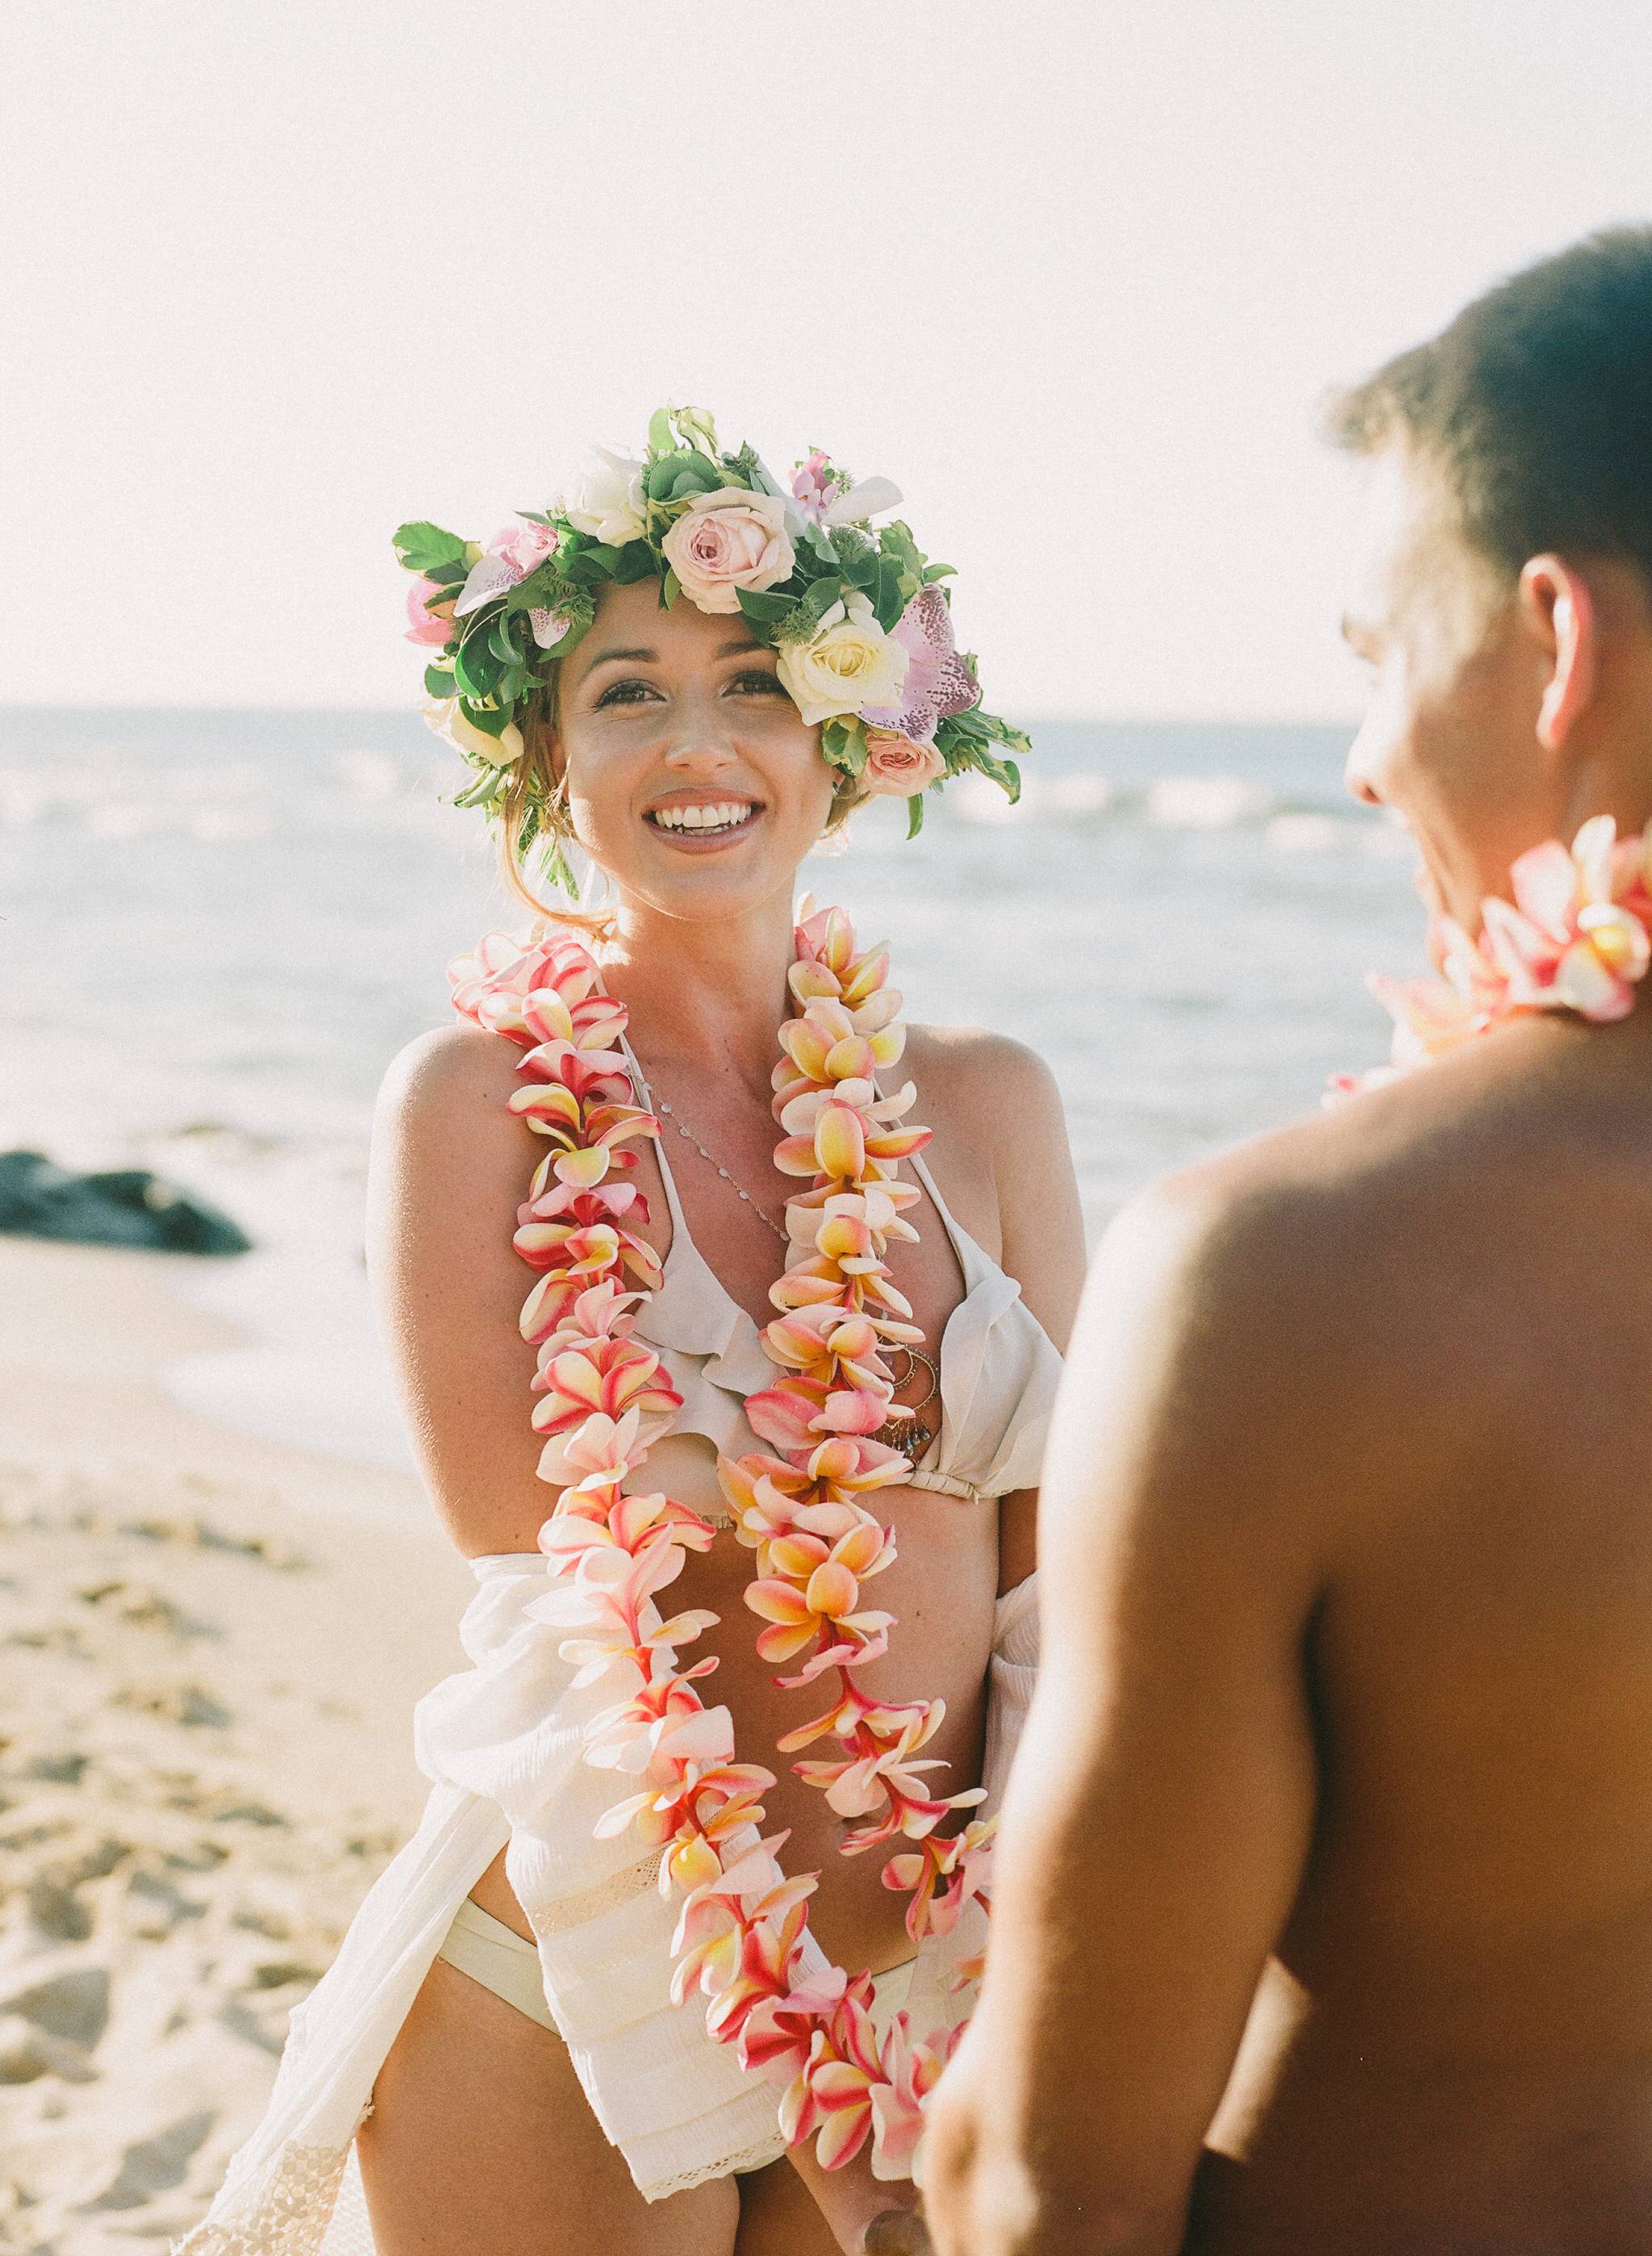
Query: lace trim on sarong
(290,2217)
(756,2157)
(618,1888)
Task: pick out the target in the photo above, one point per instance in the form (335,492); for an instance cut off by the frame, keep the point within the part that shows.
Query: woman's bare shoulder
(451,1165)
(447,1071)
(990,1082)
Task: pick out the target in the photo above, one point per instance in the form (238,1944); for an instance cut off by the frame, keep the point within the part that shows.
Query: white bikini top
(999,1368)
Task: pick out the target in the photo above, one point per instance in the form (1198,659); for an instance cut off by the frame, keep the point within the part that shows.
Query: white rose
(447,716)
(606,500)
(728,540)
(850,663)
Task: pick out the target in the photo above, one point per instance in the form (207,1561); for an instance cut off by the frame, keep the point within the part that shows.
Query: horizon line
(1209,718)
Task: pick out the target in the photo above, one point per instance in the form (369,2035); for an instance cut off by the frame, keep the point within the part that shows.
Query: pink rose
(896,767)
(728,540)
(430,623)
(524,546)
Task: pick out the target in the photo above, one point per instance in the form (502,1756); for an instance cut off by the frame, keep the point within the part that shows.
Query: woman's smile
(701,823)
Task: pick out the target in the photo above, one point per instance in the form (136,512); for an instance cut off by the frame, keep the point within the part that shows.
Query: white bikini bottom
(504,1962)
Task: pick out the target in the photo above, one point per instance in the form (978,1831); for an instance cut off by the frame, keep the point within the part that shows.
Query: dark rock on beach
(123,1206)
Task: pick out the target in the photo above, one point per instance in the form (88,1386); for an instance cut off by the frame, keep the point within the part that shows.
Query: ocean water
(217,929)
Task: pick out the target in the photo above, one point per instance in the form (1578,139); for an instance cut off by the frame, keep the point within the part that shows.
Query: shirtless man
(1323,1915)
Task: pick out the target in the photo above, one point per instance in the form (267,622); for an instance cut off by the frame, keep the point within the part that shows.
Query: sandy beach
(209,1647)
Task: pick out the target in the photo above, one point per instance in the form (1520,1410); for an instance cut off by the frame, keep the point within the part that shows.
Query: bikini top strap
(962,1243)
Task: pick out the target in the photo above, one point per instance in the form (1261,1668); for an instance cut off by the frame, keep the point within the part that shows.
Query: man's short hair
(1536,405)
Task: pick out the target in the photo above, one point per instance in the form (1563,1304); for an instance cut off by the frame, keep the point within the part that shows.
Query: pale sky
(276,275)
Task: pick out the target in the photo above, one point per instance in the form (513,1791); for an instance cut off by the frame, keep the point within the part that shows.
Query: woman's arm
(1016,1100)
(450,1166)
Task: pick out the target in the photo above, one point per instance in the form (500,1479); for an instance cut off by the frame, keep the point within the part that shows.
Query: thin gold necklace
(912,1430)
(658,1104)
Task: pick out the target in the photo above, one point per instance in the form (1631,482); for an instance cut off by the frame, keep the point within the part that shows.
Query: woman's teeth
(725,814)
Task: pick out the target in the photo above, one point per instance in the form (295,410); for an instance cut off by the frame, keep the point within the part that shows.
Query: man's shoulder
(1331,1262)
(1376,1175)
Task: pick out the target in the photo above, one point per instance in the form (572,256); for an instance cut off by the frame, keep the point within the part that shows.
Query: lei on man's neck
(1575,938)
(804,1507)
(860,618)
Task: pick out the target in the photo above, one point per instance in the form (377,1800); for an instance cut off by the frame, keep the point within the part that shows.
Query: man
(1323,1914)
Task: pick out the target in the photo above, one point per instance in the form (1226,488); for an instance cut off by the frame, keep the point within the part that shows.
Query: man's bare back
(1323,1919)
(1451,2050)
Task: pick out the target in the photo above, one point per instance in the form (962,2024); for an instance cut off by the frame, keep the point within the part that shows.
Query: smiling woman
(678,756)
(589,1997)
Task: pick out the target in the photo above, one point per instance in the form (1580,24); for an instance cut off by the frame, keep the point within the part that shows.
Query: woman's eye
(759,682)
(624,693)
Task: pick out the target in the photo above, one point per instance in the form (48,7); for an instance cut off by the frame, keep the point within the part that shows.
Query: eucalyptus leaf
(437,682)
(661,437)
(915,815)
(670,588)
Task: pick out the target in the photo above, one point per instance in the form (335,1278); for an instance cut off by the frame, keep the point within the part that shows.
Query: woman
(694,676)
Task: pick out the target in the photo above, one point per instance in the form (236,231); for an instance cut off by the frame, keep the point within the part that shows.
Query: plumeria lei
(860,618)
(1575,938)
(805,1508)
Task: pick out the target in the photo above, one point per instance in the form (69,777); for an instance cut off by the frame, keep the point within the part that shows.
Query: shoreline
(210,1646)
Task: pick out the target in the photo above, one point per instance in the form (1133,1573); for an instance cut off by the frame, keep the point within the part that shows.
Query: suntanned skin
(481,2138)
(1323,1915)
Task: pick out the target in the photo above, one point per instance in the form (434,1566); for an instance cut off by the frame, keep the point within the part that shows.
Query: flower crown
(859,617)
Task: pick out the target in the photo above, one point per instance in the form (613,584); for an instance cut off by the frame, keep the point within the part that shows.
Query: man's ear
(1558,611)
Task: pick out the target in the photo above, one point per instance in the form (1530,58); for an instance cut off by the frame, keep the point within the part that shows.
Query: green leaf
(477,669)
(843,742)
(420,546)
(490,719)
(601,559)
(681,474)
(637,562)
(448,576)
(661,437)
(933,572)
(437,682)
(669,588)
(888,602)
(821,596)
(1001,732)
(915,815)
(502,643)
(763,609)
(897,542)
